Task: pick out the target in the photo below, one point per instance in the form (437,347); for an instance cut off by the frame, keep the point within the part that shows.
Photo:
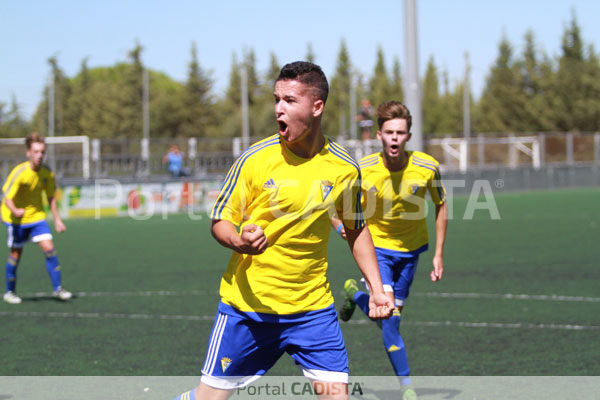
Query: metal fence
(143,159)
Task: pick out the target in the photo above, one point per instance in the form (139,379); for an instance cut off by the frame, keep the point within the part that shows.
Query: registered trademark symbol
(499,183)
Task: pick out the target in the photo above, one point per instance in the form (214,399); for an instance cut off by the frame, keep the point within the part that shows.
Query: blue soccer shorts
(244,346)
(397,271)
(18,235)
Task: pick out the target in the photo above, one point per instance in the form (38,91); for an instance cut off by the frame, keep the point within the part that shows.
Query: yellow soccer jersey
(24,186)
(292,200)
(394,202)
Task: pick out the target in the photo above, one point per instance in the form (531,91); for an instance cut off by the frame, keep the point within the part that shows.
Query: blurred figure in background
(364,118)
(174,160)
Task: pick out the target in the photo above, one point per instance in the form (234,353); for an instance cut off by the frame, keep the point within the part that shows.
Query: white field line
(508,296)
(211,318)
(501,325)
(500,296)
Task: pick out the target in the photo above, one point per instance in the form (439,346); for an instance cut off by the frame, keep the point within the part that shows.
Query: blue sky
(104,31)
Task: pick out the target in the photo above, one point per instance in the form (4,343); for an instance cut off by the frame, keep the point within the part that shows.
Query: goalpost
(83,140)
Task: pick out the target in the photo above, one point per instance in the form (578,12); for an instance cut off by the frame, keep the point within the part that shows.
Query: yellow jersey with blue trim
(292,199)
(25,186)
(394,202)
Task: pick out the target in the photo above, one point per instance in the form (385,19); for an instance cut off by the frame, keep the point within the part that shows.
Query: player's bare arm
(17,212)
(339,227)
(361,244)
(58,223)
(251,240)
(441,225)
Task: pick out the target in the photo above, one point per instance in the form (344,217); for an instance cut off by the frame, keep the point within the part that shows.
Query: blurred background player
(174,160)
(364,119)
(395,182)
(275,296)
(24,216)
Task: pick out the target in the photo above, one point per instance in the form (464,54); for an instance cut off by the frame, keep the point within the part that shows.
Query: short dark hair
(393,110)
(308,73)
(33,138)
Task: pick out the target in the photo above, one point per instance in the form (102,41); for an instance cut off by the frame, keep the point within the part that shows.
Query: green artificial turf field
(520,296)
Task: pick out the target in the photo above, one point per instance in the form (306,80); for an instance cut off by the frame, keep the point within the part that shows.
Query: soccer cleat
(409,394)
(347,309)
(11,298)
(62,294)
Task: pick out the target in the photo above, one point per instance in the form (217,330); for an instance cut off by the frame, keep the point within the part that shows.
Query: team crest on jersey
(225,363)
(414,189)
(270,184)
(326,187)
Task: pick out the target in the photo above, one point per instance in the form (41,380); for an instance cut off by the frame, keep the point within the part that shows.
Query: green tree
(131,118)
(336,119)
(196,114)
(379,85)
(12,124)
(264,115)
(229,109)
(310,55)
(501,103)
(432,106)
(536,79)
(591,88)
(576,83)
(396,86)
(79,100)
(62,92)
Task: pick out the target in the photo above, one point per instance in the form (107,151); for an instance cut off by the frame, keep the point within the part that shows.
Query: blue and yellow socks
(392,340)
(394,345)
(186,396)
(53,268)
(11,273)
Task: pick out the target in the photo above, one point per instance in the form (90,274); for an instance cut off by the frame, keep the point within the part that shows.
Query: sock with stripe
(53,268)
(186,396)
(394,345)
(11,273)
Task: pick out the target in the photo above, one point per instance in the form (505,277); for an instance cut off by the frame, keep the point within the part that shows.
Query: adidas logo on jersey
(270,184)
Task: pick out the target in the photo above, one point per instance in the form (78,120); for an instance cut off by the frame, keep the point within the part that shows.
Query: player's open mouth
(282,127)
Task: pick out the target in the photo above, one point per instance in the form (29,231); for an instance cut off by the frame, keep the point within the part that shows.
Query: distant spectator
(174,159)
(364,118)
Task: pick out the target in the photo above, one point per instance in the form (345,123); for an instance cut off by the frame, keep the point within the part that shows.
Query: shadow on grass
(37,298)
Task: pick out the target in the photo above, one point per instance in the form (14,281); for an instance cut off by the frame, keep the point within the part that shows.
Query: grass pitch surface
(520,296)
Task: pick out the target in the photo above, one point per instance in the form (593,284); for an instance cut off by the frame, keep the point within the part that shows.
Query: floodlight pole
(353,84)
(245,122)
(413,84)
(51,154)
(146,123)
(145,105)
(467,110)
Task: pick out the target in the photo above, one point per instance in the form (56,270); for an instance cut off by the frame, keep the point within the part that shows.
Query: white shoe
(12,298)
(62,294)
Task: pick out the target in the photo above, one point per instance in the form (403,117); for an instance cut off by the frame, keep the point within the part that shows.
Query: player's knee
(15,254)
(390,329)
(50,253)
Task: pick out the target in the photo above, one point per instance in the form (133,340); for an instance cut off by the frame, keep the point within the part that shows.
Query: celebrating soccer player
(275,296)
(395,182)
(24,216)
